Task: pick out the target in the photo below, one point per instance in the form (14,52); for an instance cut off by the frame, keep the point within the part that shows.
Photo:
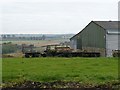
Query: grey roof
(107,24)
(104,24)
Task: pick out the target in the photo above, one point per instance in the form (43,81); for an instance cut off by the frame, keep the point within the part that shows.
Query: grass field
(37,43)
(86,70)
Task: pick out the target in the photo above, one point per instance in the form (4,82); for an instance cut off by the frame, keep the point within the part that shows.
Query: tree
(43,37)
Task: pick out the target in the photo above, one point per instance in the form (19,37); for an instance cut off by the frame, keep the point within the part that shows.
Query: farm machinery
(28,51)
(116,53)
(61,51)
(58,51)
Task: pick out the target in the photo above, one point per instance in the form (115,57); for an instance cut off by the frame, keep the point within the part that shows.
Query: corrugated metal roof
(107,24)
(113,25)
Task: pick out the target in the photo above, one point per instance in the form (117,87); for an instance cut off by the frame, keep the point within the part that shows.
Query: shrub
(8,48)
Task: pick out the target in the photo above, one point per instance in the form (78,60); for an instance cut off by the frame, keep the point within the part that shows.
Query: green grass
(86,70)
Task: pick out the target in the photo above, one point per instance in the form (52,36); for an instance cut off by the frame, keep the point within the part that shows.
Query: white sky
(53,16)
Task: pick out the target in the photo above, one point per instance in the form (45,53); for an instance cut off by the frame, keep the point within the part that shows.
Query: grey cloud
(53,17)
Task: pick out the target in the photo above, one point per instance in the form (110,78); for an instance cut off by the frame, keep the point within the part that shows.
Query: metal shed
(97,36)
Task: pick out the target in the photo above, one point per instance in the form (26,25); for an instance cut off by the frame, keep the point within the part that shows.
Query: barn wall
(92,38)
(111,44)
(79,42)
(73,44)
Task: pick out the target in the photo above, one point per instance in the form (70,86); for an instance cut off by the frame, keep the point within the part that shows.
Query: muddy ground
(26,85)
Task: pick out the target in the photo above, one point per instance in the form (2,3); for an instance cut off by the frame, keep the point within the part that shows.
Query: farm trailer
(61,52)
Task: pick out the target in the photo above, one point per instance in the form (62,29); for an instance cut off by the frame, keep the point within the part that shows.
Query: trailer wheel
(27,56)
(69,55)
(43,55)
(35,55)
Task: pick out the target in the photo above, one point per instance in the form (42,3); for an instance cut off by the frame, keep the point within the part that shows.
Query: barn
(97,36)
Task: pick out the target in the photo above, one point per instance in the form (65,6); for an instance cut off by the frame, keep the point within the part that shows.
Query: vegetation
(9,48)
(85,70)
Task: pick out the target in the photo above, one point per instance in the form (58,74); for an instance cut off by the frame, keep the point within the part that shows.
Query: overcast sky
(53,16)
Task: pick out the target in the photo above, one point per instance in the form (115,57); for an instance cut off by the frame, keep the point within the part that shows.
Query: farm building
(97,36)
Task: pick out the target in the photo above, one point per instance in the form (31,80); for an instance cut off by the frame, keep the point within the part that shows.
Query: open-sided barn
(97,36)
